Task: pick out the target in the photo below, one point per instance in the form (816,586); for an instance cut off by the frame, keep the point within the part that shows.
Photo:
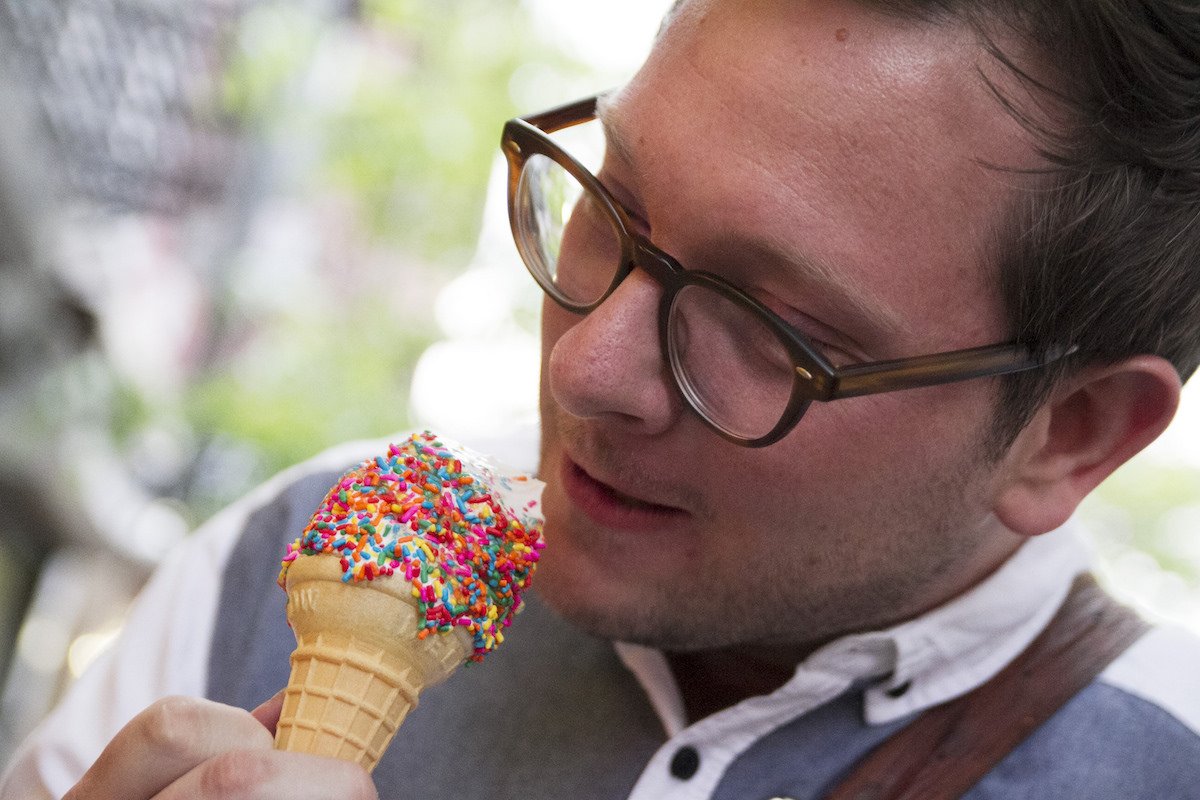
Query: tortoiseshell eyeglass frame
(814,377)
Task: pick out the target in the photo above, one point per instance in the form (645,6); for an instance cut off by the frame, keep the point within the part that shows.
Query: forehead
(852,139)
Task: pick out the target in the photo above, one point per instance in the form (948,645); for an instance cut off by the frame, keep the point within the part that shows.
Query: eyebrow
(880,319)
(615,137)
(871,312)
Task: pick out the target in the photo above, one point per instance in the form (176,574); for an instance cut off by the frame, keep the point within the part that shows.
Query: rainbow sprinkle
(417,514)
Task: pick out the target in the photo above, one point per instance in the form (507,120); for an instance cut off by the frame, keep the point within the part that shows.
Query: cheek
(923,431)
(856,462)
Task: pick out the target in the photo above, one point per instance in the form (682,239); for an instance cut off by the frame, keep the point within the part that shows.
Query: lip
(612,508)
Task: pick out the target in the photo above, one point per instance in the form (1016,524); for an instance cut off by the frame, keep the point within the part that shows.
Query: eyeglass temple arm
(556,119)
(960,365)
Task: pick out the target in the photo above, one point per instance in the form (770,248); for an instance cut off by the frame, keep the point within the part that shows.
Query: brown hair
(1105,253)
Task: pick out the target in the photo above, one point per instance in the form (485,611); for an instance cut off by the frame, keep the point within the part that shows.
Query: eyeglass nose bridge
(656,263)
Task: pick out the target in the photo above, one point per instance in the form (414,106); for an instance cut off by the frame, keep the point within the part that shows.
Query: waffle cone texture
(358,665)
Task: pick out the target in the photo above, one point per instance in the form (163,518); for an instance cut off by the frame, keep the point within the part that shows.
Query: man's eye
(823,340)
(639,225)
(832,353)
(633,215)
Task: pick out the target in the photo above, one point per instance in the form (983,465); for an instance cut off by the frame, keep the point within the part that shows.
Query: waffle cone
(358,665)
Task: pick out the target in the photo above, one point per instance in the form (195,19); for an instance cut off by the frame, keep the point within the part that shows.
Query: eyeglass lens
(729,363)
(562,225)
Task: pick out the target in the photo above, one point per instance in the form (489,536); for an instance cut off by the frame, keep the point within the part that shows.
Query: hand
(183,747)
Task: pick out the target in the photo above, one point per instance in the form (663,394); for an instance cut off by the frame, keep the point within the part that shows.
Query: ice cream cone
(414,562)
(359,664)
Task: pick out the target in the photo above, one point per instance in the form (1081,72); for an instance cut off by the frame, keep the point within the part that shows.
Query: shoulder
(1163,670)
(1134,732)
(222,530)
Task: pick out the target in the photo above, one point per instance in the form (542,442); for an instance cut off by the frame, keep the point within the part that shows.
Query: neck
(712,680)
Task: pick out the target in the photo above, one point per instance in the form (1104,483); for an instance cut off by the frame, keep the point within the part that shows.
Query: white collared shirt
(928,660)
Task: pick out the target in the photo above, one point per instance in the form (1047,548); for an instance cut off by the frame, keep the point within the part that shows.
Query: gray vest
(554,714)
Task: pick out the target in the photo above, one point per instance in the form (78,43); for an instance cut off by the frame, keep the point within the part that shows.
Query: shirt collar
(925,661)
(962,644)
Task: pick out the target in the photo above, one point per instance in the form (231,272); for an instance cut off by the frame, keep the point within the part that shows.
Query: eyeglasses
(743,369)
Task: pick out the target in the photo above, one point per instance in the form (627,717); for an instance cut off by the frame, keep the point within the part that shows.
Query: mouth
(613,508)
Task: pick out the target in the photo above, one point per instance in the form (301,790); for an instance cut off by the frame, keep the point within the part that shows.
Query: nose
(608,366)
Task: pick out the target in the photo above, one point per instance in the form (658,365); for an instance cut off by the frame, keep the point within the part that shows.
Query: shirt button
(685,763)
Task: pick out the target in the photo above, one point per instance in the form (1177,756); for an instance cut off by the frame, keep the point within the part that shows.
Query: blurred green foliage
(343,378)
(422,90)
(391,119)
(1137,508)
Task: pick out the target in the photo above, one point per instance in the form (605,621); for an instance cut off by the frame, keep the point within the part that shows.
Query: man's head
(815,153)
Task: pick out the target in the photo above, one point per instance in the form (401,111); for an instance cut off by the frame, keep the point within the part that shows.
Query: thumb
(268,712)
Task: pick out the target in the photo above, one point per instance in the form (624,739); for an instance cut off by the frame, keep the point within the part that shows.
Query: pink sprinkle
(407,515)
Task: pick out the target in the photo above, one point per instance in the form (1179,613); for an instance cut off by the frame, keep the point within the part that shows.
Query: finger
(268,712)
(272,775)
(166,741)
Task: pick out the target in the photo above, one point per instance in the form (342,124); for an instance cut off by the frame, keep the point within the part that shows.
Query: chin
(577,591)
(642,610)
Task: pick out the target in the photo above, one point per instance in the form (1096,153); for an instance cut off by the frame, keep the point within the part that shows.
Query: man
(861,182)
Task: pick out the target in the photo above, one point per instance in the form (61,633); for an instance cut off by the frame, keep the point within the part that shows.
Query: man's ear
(1093,422)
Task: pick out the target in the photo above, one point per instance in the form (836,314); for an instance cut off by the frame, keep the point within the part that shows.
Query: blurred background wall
(236,232)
